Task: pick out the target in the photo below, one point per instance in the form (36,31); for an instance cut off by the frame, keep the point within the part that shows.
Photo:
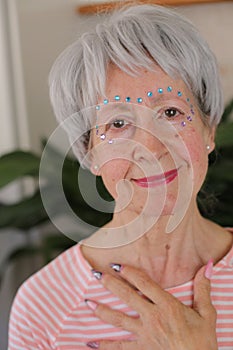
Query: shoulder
(44,300)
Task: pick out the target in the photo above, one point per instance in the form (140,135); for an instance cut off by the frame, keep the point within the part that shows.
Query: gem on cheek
(183,123)
(149,94)
(160,90)
(189,118)
(117,98)
(110,141)
(169,89)
(97,108)
(179,93)
(105,101)
(127,99)
(139,100)
(103,136)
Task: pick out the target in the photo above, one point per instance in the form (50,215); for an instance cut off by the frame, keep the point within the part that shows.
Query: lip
(157,180)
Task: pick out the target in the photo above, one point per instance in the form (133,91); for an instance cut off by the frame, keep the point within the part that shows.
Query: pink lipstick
(157,180)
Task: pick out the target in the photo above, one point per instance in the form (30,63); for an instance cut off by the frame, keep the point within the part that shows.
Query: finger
(140,280)
(115,317)
(125,293)
(114,345)
(202,293)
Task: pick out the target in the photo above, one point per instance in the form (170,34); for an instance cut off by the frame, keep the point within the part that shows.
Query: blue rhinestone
(139,100)
(97,108)
(160,90)
(127,99)
(117,98)
(149,93)
(179,93)
(169,88)
(105,101)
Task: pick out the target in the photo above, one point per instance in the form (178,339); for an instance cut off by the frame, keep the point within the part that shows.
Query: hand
(164,323)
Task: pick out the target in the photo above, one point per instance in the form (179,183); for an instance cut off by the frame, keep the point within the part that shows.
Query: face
(149,142)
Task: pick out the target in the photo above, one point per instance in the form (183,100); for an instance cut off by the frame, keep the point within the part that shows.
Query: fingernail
(93,345)
(116,267)
(91,304)
(97,274)
(209,269)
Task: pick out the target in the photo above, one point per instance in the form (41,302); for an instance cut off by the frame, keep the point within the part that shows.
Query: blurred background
(32,34)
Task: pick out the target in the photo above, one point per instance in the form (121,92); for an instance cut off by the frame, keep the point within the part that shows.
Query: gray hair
(132,38)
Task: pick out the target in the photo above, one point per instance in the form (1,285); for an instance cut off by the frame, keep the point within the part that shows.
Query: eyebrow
(164,97)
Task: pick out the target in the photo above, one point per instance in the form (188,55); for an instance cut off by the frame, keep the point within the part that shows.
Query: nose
(148,146)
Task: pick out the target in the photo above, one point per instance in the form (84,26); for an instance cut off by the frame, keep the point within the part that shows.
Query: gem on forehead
(139,100)
(105,101)
(179,93)
(127,99)
(169,88)
(160,90)
(183,123)
(117,98)
(149,93)
(189,118)
(97,108)
(102,136)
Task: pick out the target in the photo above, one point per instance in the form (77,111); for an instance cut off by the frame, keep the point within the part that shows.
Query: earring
(208,147)
(96,167)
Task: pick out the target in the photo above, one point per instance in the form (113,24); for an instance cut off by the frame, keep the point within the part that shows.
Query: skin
(163,259)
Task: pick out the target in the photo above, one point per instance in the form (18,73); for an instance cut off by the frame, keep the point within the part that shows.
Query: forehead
(143,79)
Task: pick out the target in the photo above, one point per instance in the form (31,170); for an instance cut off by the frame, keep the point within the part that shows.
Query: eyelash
(125,123)
(121,120)
(170,109)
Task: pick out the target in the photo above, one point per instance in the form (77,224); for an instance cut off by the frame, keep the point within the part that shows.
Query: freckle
(176,135)
(167,246)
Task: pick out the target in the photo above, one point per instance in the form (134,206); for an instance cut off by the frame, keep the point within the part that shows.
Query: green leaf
(17,164)
(224,135)
(25,214)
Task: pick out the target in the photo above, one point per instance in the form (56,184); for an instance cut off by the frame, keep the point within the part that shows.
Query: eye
(172,112)
(119,123)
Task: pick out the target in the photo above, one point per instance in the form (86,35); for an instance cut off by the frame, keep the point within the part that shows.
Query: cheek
(112,172)
(198,155)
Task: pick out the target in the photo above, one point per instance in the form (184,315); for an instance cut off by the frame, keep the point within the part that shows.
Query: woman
(143,280)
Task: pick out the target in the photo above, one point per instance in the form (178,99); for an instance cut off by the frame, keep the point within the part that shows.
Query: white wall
(39,30)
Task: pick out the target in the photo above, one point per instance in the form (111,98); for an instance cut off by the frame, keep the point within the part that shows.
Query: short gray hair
(132,38)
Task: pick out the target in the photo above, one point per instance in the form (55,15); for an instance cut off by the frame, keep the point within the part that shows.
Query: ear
(211,138)
(95,169)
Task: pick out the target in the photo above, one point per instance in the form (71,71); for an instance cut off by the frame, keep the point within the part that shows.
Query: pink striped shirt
(49,311)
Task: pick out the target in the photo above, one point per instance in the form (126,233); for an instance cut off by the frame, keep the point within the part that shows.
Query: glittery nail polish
(93,345)
(97,274)
(209,269)
(91,304)
(116,267)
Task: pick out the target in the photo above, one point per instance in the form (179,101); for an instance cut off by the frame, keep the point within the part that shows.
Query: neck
(169,258)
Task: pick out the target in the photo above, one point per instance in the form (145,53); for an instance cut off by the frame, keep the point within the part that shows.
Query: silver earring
(96,167)
(208,147)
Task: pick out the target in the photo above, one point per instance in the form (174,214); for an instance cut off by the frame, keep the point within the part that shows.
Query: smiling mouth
(157,180)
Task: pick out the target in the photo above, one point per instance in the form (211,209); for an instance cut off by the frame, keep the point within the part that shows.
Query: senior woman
(143,92)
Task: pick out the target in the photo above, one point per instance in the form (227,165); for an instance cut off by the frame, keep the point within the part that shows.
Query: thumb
(202,288)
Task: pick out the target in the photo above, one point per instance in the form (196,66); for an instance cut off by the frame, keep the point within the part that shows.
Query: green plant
(29,212)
